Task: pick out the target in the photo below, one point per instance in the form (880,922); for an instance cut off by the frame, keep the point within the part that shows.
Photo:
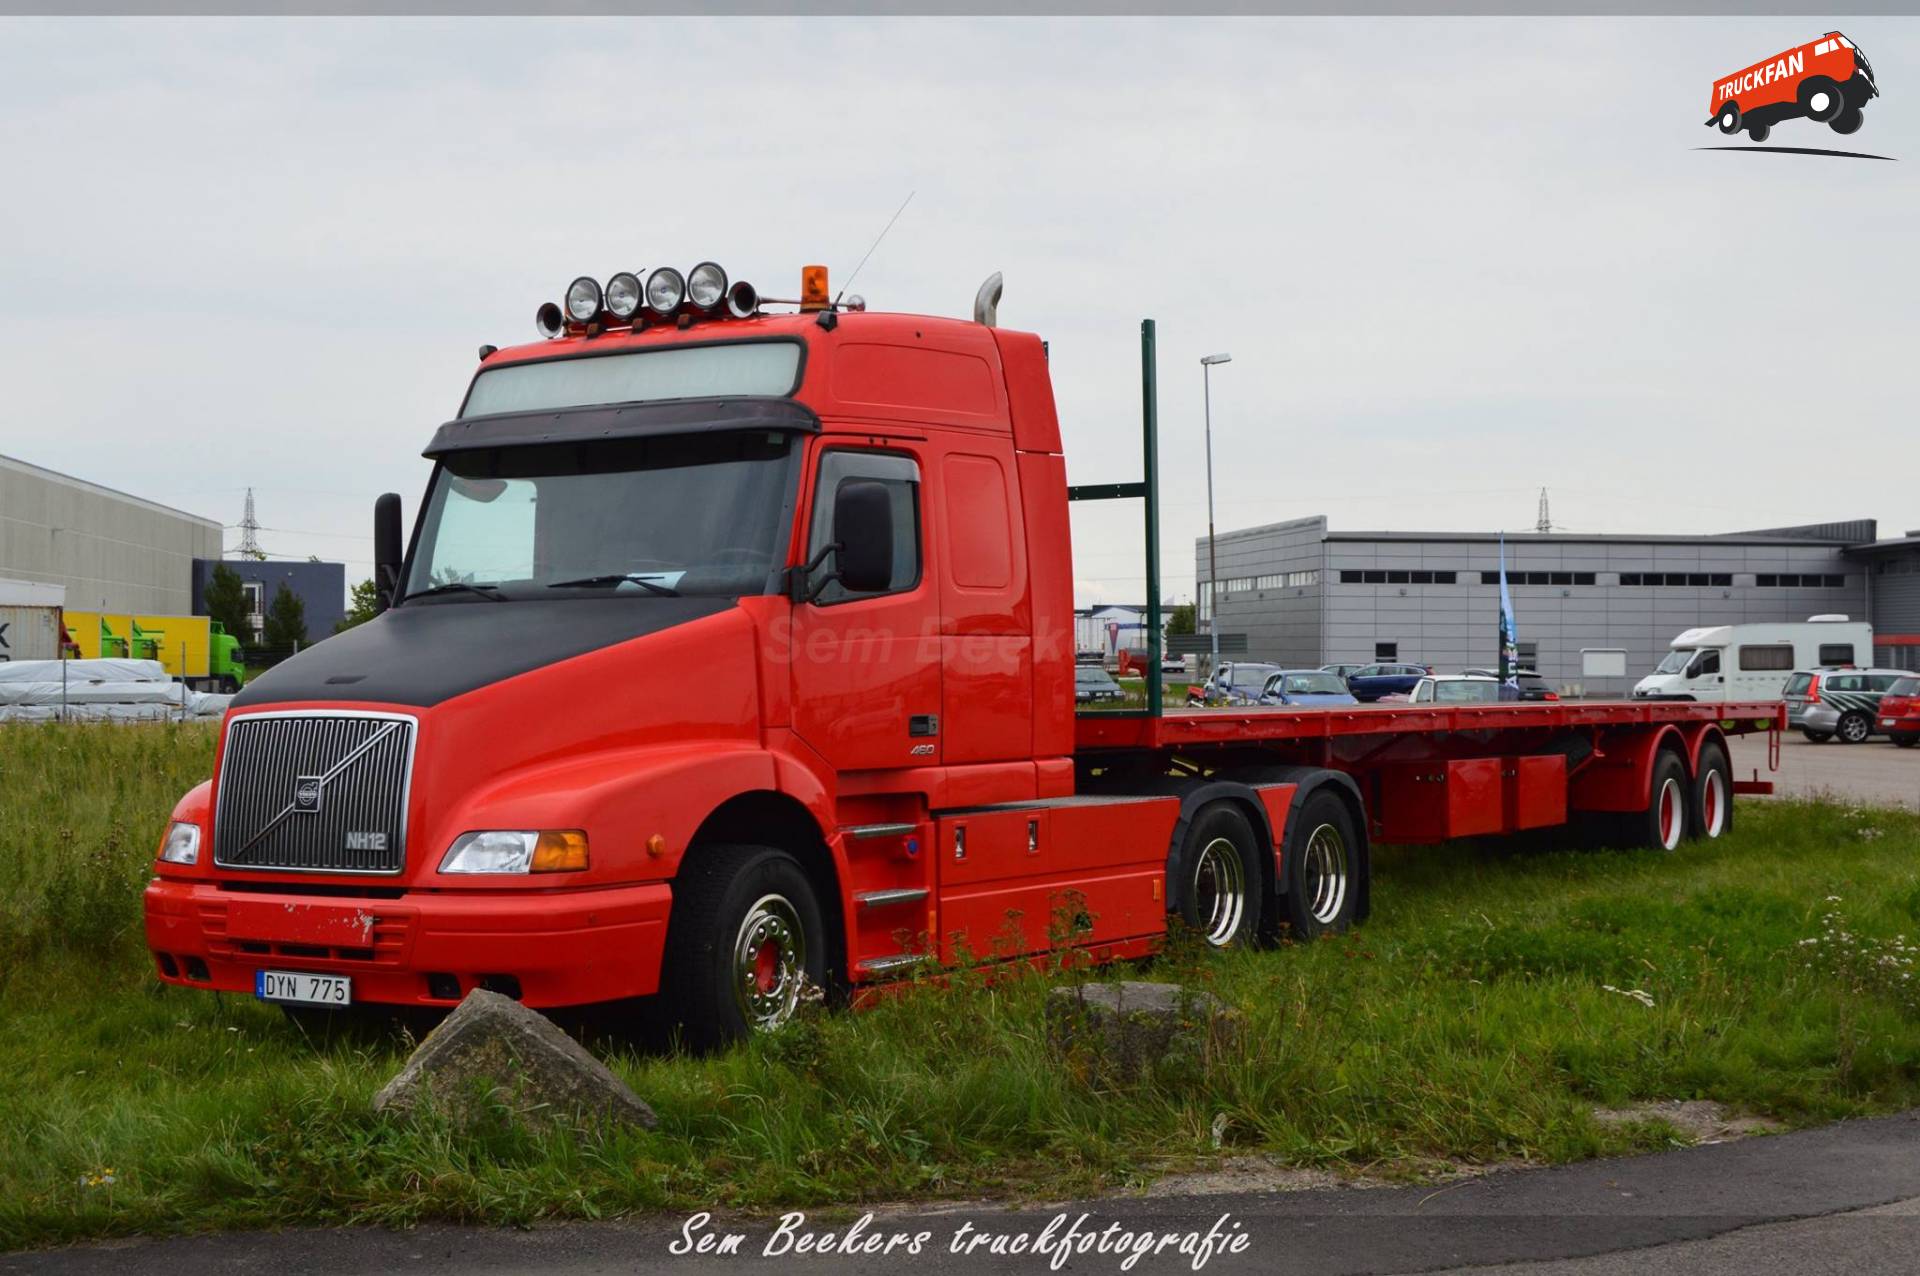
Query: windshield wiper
(489,592)
(616,579)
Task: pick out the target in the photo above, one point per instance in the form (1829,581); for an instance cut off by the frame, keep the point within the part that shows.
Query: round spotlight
(665,290)
(549,320)
(742,300)
(583,299)
(707,285)
(623,295)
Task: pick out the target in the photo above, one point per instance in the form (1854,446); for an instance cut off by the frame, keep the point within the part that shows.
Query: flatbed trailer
(733,654)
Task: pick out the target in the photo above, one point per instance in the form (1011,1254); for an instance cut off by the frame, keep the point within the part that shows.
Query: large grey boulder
(492,1051)
(1122,1032)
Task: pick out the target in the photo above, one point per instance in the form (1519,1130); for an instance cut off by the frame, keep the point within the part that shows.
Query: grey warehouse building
(1305,595)
(112,551)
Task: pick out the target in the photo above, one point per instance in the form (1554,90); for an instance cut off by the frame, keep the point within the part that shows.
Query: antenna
(876,243)
(250,533)
(1544,523)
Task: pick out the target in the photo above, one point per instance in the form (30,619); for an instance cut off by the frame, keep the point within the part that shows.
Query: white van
(1753,662)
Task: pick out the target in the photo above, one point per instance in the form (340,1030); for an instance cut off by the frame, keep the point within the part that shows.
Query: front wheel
(744,941)
(1729,119)
(1322,867)
(1220,877)
(1854,728)
(1816,737)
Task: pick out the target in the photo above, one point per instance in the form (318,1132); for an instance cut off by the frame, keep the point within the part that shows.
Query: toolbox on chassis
(733,650)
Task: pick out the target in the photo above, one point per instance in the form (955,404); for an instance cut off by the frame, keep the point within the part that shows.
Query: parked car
(1091,683)
(1370,682)
(1239,682)
(1457,688)
(1528,684)
(1824,703)
(1343,672)
(1900,712)
(1306,688)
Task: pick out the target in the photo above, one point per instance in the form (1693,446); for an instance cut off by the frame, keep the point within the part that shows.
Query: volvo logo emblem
(306,793)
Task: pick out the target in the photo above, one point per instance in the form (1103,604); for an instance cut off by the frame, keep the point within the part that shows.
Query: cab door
(865,667)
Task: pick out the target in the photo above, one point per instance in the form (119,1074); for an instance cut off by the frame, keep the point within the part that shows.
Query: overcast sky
(1454,260)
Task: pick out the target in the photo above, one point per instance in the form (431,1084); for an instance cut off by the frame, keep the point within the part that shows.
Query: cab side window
(900,475)
(1709,662)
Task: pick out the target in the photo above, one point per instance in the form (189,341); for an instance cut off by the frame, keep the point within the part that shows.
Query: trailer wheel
(1322,868)
(1759,132)
(1729,120)
(1848,121)
(1711,813)
(1664,823)
(744,940)
(1220,877)
(1816,737)
(1854,728)
(1820,98)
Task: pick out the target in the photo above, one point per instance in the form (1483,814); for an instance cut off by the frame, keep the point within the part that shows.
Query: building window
(1398,578)
(1386,651)
(1721,580)
(256,607)
(1375,578)
(1445,578)
(1584,578)
(1773,658)
(1529,654)
(1350,578)
(1629,578)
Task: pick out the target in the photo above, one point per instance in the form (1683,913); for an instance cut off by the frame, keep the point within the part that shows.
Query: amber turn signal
(560,851)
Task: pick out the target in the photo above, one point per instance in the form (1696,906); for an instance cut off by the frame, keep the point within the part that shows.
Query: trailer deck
(1191,728)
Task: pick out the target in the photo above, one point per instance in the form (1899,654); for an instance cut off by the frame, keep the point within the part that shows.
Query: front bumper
(562,948)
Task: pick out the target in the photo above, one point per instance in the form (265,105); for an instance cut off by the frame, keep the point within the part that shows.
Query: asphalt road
(1845,1198)
(1875,773)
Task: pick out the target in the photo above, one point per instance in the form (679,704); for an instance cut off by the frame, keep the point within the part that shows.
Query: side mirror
(863,530)
(386,550)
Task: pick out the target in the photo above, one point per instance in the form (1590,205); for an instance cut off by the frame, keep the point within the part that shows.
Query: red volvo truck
(733,651)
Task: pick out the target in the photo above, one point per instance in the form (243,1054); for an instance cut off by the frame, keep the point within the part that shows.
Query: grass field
(1495,999)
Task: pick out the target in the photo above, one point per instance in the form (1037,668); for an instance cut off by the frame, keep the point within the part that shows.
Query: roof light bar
(666,289)
(583,299)
(623,296)
(707,285)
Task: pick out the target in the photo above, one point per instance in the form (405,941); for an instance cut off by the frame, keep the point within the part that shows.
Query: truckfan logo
(306,793)
(1828,81)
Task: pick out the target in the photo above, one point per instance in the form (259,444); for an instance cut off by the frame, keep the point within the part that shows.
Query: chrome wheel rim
(1219,891)
(1713,804)
(1672,822)
(1323,871)
(769,963)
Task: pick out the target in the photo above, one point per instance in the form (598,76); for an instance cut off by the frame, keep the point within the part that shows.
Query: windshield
(1313,684)
(1466,690)
(1097,677)
(1905,687)
(687,514)
(1250,675)
(638,376)
(1676,660)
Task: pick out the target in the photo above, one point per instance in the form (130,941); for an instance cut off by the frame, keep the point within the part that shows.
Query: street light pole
(1213,567)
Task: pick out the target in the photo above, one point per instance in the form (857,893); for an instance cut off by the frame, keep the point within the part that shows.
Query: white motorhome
(1753,662)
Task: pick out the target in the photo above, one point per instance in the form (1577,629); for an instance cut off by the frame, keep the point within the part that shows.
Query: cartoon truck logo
(1828,80)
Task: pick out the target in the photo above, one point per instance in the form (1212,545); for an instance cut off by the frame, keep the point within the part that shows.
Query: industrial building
(1303,594)
(321,587)
(110,551)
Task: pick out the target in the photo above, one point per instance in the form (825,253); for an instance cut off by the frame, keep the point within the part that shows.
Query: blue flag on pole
(1509,635)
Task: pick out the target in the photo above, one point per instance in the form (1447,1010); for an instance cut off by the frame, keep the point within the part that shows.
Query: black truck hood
(423,653)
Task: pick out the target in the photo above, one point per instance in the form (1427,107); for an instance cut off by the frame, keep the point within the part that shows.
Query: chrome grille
(316,792)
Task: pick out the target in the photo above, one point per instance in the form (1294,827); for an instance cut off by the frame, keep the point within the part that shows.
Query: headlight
(707,285)
(517,851)
(623,295)
(583,299)
(182,843)
(665,290)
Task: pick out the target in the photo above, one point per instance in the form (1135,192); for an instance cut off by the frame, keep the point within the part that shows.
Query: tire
(1906,741)
(229,684)
(1854,728)
(1848,121)
(1663,825)
(1729,118)
(1322,869)
(1759,132)
(1830,100)
(1710,814)
(1220,879)
(1816,737)
(744,940)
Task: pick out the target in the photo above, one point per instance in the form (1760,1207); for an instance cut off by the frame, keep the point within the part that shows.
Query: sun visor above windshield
(631,421)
